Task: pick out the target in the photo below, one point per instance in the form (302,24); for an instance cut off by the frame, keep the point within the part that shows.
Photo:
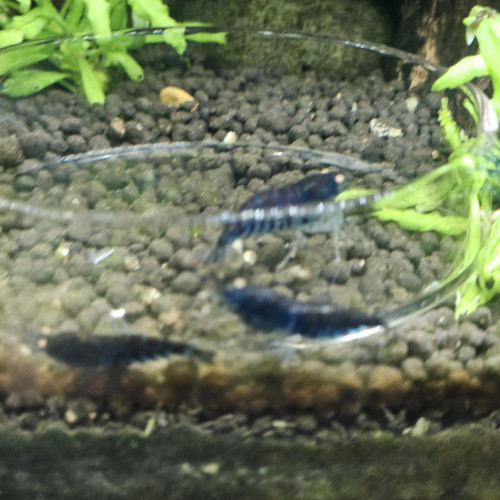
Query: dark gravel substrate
(58,277)
(185,463)
(177,460)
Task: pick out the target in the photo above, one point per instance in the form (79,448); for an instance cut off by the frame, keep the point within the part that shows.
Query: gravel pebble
(394,353)
(385,379)
(481,317)
(78,296)
(35,144)
(162,249)
(429,242)
(271,251)
(186,282)
(438,365)
(414,370)
(307,424)
(492,364)
(466,353)
(11,153)
(118,289)
(336,272)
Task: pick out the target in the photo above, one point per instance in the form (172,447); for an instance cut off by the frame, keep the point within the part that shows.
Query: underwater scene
(264,267)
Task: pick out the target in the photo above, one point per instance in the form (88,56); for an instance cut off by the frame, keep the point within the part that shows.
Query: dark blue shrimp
(316,187)
(269,311)
(115,350)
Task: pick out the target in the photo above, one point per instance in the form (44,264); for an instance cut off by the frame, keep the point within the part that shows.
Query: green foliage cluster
(483,24)
(80,63)
(459,197)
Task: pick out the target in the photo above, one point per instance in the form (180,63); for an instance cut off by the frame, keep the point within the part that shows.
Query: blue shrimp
(115,350)
(269,311)
(313,188)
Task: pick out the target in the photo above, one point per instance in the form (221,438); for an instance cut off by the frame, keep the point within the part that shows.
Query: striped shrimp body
(313,188)
(115,350)
(268,311)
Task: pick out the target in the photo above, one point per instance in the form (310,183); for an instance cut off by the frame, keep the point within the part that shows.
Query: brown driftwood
(434,29)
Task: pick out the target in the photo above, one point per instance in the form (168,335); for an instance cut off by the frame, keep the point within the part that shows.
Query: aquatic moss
(355,19)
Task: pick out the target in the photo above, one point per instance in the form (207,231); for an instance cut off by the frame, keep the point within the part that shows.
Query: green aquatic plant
(482,24)
(460,197)
(80,63)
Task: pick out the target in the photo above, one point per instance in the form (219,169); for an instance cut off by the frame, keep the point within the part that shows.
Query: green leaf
(353,193)
(10,37)
(27,82)
(154,11)
(471,108)
(32,28)
(128,63)
(93,85)
(33,22)
(426,193)
(473,239)
(19,56)
(451,130)
(207,38)
(24,5)
(118,14)
(484,284)
(97,13)
(74,15)
(417,221)
(154,38)
(488,38)
(462,72)
(204,37)
(176,40)
(469,298)
(173,37)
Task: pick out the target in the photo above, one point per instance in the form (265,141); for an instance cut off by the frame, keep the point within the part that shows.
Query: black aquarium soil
(122,278)
(155,281)
(183,462)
